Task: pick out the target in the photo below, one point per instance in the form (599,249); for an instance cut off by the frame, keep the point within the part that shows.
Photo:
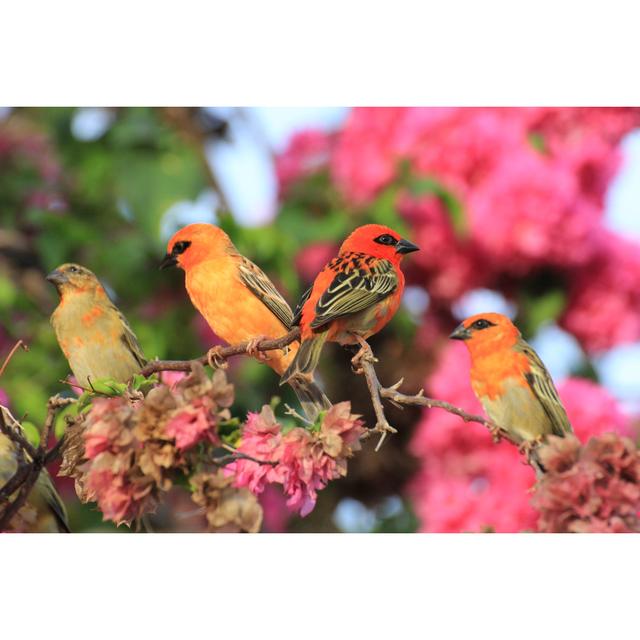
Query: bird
(353,297)
(43,511)
(91,331)
(238,301)
(511,382)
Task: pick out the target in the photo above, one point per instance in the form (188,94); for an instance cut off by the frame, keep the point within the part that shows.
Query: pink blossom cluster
(604,296)
(529,186)
(121,496)
(593,488)
(306,460)
(469,483)
(307,152)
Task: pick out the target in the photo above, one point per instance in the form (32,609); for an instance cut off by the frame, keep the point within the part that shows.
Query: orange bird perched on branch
(511,381)
(353,297)
(238,300)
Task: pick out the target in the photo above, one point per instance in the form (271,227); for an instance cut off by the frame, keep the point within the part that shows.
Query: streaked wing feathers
(297,314)
(355,290)
(545,391)
(129,338)
(259,284)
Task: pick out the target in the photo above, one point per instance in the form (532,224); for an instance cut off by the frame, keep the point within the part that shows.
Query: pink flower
(171,378)
(592,410)
(448,263)
(105,430)
(562,126)
(590,488)
(306,460)
(528,213)
(306,153)
(274,507)
(366,154)
(193,424)
(261,438)
(108,490)
(604,297)
(4,398)
(311,259)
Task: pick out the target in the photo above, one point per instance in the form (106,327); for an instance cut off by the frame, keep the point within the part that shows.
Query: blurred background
(532,212)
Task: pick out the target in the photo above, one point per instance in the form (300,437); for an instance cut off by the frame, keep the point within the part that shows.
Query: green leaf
(31,432)
(453,205)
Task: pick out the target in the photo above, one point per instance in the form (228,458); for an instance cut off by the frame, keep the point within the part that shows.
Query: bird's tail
(299,375)
(310,397)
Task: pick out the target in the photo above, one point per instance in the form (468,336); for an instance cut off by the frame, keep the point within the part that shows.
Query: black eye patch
(385,238)
(180,247)
(482,324)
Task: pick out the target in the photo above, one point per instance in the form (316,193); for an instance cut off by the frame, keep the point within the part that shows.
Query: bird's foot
(495,431)
(529,446)
(252,348)
(365,354)
(215,360)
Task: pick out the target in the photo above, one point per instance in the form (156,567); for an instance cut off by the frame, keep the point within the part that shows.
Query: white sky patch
(559,351)
(278,124)
(416,301)
(180,214)
(623,197)
(481,301)
(246,175)
(91,123)
(619,370)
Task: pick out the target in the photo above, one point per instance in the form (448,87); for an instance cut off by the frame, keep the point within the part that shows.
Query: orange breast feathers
(232,311)
(490,372)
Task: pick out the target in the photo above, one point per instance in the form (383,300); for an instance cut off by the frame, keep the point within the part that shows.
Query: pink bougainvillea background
(507,200)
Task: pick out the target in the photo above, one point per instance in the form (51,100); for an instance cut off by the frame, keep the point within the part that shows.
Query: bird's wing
(355,289)
(259,284)
(44,485)
(129,338)
(297,314)
(545,391)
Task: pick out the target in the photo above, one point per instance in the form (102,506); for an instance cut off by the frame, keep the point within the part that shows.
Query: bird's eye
(73,269)
(180,247)
(482,324)
(385,238)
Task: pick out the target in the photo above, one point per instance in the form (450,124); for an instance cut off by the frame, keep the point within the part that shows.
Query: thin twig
(364,362)
(222,353)
(239,455)
(16,346)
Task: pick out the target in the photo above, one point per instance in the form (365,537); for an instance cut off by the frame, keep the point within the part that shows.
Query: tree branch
(220,354)
(364,362)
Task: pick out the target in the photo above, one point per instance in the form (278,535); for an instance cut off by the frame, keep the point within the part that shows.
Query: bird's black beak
(168,261)
(460,333)
(404,246)
(57,277)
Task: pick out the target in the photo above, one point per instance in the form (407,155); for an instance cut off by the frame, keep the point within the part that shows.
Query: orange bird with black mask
(238,300)
(510,380)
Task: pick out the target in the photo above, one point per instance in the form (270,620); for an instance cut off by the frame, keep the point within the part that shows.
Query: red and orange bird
(354,296)
(510,380)
(238,300)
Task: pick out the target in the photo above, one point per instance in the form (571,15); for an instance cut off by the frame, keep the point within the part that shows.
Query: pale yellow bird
(92,333)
